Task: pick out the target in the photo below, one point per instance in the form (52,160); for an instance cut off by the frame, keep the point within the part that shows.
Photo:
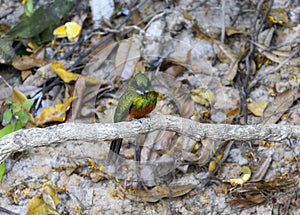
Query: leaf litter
(198,77)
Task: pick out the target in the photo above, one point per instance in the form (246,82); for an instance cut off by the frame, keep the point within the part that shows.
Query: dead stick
(37,137)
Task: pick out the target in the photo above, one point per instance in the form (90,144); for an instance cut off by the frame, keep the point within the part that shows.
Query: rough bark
(37,137)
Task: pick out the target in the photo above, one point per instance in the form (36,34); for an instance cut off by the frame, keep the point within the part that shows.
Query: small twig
(8,13)
(240,12)
(254,32)
(290,201)
(223,22)
(7,211)
(280,46)
(5,82)
(264,18)
(156,17)
(68,54)
(223,159)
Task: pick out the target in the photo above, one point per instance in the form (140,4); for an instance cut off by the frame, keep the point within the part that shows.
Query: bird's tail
(114,150)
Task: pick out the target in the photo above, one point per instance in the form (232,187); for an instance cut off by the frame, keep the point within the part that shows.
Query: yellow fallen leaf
(67,76)
(231,31)
(69,29)
(44,203)
(19,98)
(60,32)
(246,175)
(73,30)
(54,114)
(257,108)
(212,165)
(203,96)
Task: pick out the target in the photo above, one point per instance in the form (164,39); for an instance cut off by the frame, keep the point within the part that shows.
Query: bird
(137,101)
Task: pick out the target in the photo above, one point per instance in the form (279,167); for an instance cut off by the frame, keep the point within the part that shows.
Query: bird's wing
(124,106)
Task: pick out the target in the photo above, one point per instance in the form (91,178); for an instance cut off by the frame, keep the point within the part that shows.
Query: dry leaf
(127,56)
(44,203)
(280,105)
(279,16)
(155,142)
(66,76)
(54,114)
(278,56)
(27,62)
(69,29)
(19,98)
(78,92)
(159,192)
(40,77)
(256,193)
(25,74)
(228,55)
(265,161)
(225,53)
(246,175)
(203,96)
(187,108)
(257,108)
(98,57)
(232,31)
(175,70)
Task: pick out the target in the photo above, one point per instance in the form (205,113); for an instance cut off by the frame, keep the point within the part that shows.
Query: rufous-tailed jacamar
(138,100)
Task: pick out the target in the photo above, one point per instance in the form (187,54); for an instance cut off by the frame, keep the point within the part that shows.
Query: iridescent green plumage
(138,100)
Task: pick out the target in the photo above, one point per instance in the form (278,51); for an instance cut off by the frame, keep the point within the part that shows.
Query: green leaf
(8,101)
(22,116)
(10,128)
(15,106)
(4,131)
(28,9)
(47,15)
(28,103)
(2,170)
(7,116)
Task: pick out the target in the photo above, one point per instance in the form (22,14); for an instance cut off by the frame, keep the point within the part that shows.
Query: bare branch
(37,137)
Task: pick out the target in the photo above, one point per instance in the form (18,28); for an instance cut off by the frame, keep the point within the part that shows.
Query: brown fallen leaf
(127,56)
(256,193)
(280,105)
(209,147)
(98,57)
(83,104)
(158,192)
(261,169)
(27,62)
